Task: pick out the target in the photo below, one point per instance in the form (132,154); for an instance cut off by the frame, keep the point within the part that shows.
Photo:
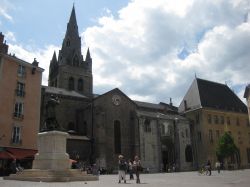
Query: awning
(21,153)
(6,155)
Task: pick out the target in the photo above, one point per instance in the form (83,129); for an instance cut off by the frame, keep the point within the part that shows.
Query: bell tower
(70,71)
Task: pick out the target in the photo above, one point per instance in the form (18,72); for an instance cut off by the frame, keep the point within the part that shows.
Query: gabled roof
(216,95)
(114,90)
(204,93)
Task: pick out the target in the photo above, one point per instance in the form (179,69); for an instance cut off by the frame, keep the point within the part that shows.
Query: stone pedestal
(52,163)
(52,151)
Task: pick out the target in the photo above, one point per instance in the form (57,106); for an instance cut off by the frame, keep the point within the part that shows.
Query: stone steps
(52,176)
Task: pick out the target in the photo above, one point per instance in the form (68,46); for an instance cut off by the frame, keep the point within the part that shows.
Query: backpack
(122,165)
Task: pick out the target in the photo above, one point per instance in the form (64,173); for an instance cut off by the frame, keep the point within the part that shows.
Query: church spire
(69,70)
(71,48)
(72,19)
(88,57)
(72,28)
(54,56)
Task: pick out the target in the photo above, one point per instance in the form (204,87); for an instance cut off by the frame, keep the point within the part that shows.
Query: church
(103,126)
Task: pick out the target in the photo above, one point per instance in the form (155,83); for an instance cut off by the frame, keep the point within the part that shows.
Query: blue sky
(149,49)
(40,23)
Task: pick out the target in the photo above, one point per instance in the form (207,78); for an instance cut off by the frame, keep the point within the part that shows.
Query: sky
(152,50)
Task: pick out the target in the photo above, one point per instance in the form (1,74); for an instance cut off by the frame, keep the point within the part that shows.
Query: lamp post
(158,127)
(176,143)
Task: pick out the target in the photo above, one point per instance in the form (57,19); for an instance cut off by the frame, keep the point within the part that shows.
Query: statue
(51,123)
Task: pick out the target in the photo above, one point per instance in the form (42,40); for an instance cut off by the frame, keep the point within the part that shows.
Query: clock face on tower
(116,99)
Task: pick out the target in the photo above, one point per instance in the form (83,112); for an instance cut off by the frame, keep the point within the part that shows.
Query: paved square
(239,178)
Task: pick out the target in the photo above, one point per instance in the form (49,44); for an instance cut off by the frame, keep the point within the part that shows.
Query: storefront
(23,157)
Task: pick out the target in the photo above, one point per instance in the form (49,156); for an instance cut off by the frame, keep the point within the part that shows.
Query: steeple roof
(88,57)
(72,28)
(72,19)
(54,56)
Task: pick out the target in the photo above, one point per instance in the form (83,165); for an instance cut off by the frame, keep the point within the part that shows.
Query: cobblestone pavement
(239,178)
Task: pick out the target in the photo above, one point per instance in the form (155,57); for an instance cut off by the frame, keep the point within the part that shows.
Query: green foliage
(226,146)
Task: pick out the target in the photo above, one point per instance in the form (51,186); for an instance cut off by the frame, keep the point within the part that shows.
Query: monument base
(52,163)
(37,175)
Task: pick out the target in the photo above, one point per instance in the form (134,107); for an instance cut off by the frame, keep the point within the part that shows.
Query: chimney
(170,103)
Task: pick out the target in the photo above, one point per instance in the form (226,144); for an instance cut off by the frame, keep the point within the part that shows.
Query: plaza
(239,178)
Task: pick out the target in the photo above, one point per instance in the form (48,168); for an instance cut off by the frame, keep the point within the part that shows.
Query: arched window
(68,43)
(71,126)
(71,83)
(188,153)
(163,132)
(84,129)
(75,61)
(80,85)
(147,127)
(117,136)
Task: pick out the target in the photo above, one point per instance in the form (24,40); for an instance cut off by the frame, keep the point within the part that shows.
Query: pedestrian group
(130,167)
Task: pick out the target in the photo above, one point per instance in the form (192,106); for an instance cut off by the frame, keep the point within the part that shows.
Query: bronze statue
(51,123)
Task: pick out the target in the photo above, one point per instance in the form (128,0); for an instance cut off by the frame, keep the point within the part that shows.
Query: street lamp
(176,142)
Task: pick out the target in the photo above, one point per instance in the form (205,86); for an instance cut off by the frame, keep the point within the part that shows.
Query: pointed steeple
(53,62)
(71,46)
(54,57)
(72,18)
(72,28)
(70,60)
(88,57)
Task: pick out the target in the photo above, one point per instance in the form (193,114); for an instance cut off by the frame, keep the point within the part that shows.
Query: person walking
(208,166)
(122,167)
(130,169)
(138,168)
(217,166)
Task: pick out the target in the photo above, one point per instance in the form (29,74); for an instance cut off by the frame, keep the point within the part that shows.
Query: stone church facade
(103,126)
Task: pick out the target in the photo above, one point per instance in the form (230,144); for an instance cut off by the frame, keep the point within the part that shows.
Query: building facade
(20,93)
(213,109)
(247,96)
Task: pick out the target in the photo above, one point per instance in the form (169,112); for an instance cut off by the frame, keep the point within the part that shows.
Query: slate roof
(160,107)
(61,91)
(247,91)
(219,96)
(149,105)
(159,115)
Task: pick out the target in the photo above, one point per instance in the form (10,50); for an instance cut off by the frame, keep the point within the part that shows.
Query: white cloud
(5,6)
(43,56)
(141,48)
(10,36)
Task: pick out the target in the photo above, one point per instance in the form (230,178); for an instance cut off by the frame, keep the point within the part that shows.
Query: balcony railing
(16,141)
(20,93)
(18,115)
(21,74)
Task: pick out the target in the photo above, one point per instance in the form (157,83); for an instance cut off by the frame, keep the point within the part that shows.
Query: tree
(226,146)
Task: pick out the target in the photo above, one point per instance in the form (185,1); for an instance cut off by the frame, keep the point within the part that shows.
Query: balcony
(17,116)
(22,75)
(20,93)
(15,141)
